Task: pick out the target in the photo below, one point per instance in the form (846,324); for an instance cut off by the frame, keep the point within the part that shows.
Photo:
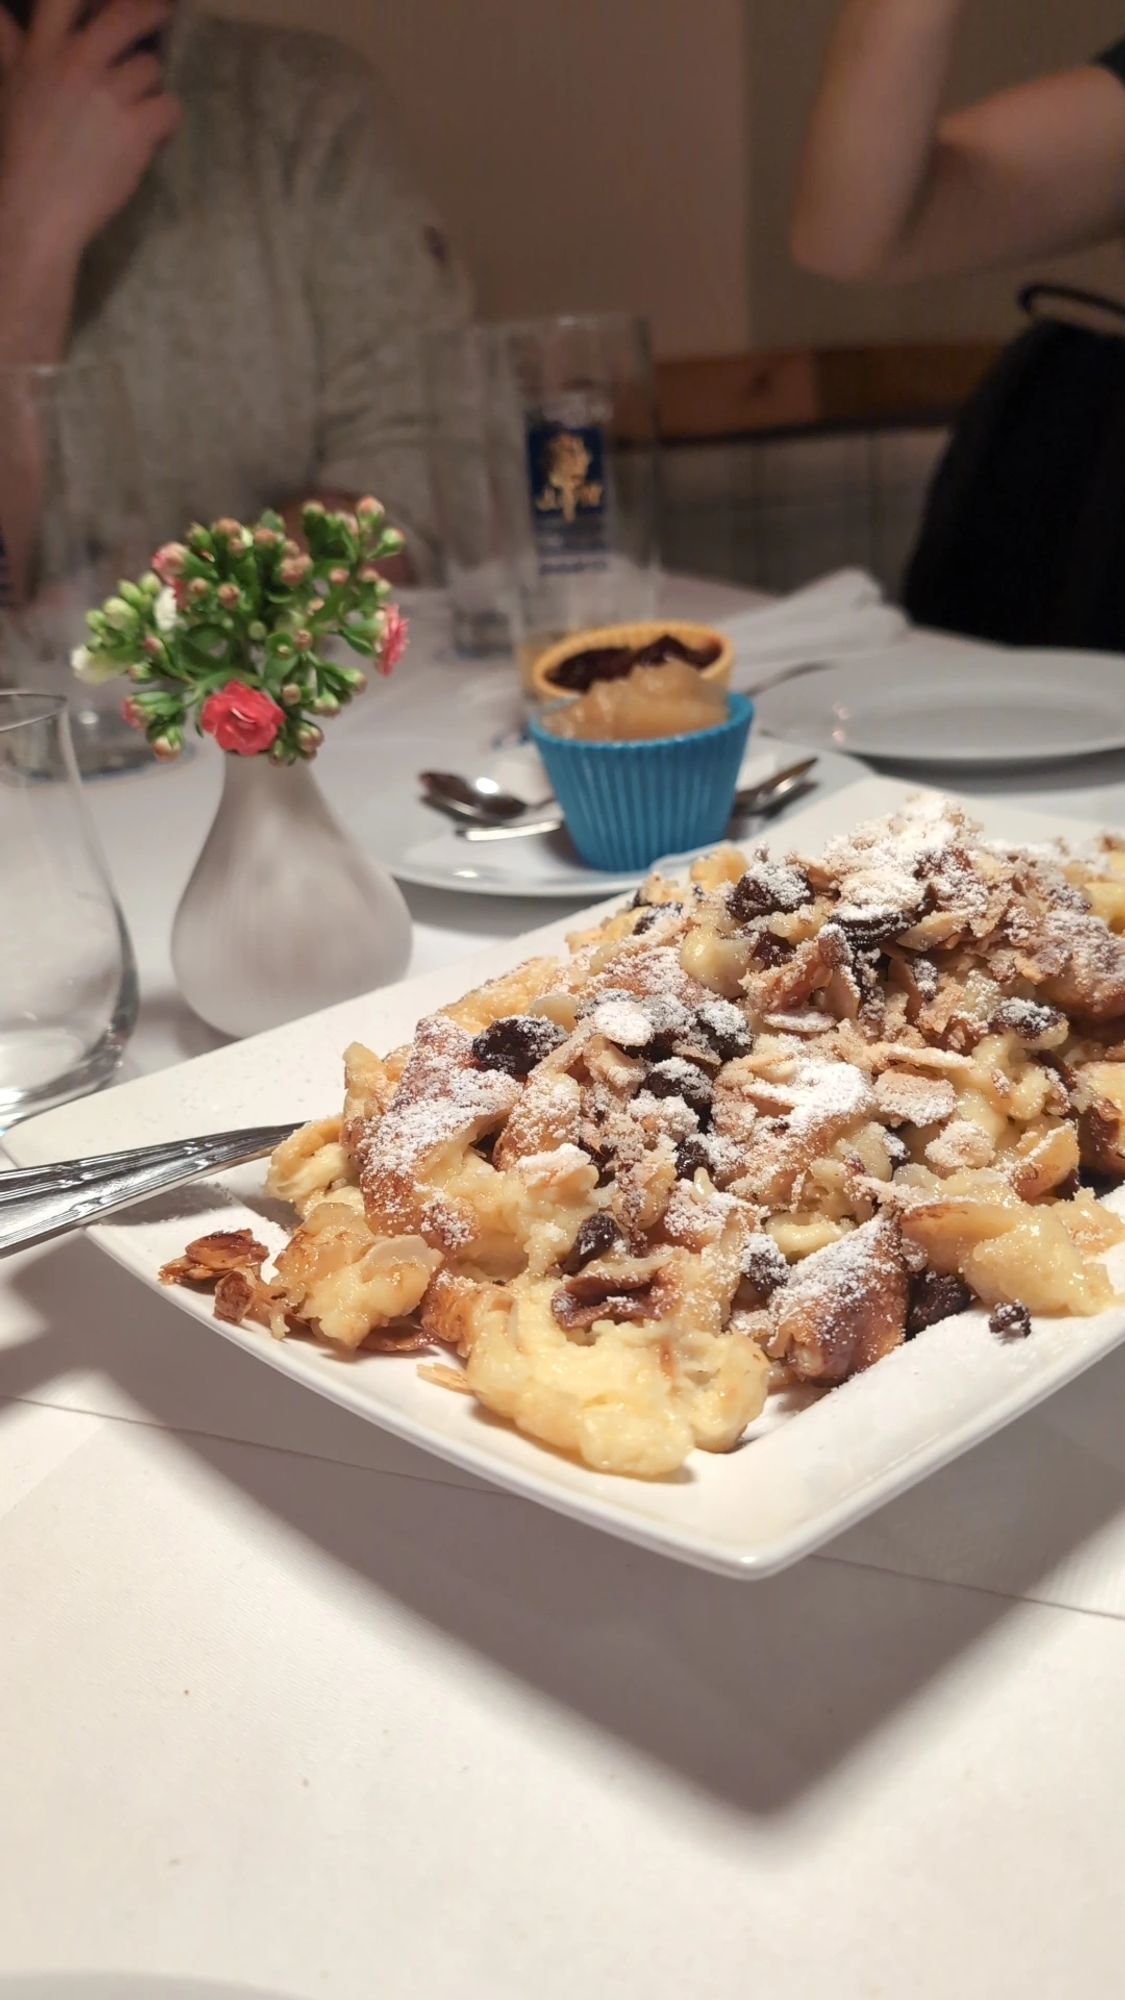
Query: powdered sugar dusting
(441,1097)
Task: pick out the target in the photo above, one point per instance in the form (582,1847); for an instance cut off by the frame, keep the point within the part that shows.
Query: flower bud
(227,526)
(291,695)
(199,541)
(229,596)
(314,510)
(280,753)
(326,704)
(354,679)
(169,561)
(294,570)
(166,748)
(315,606)
(369,574)
(309,738)
(118,615)
(290,547)
(369,511)
(339,576)
(303,639)
(256,632)
(393,542)
(133,596)
(131,714)
(139,670)
(198,589)
(149,584)
(154,648)
(266,538)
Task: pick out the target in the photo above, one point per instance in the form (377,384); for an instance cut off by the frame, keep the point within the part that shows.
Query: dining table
(289,1708)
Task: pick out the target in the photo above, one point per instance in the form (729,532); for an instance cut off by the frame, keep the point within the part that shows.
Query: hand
(82,112)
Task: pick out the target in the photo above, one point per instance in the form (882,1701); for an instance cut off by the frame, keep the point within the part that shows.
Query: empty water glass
(73,520)
(68,982)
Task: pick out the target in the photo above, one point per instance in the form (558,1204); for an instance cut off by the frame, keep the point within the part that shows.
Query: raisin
(517,1043)
(769,887)
(602,1157)
(875,928)
(597,1235)
(649,914)
(725,1029)
(691,1154)
(1010,1322)
(748,899)
(677,1078)
(770,950)
(934,1296)
(486,1146)
(764,1269)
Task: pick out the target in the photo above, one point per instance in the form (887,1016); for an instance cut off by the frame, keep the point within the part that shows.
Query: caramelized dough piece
(845,1307)
(1099,1094)
(1085,966)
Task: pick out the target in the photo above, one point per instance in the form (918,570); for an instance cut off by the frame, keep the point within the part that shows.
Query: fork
(43,1201)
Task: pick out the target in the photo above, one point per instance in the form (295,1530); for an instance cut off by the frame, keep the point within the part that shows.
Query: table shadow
(755,1695)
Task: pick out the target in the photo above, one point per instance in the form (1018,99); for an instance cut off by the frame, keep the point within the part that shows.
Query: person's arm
(380,278)
(80,116)
(889,188)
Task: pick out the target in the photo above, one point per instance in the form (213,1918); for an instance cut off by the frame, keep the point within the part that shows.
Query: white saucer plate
(413,841)
(942,702)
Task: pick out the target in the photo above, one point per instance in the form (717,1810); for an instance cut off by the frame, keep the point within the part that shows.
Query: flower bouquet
(227,632)
(241,634)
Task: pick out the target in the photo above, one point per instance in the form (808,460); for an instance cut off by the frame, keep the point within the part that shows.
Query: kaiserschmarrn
(755,1131)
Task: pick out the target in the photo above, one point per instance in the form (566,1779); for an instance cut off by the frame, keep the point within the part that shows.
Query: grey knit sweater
(267,290)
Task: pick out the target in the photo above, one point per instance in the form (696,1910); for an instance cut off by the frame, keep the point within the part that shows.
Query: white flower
(91,669)
(166,610)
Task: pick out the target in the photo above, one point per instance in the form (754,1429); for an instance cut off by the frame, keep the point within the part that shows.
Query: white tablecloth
(287,1707)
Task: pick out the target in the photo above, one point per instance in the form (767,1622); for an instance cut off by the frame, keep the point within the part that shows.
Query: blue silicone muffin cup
(627,803)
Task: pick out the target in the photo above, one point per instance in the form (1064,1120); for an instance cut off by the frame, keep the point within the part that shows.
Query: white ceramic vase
(283,914)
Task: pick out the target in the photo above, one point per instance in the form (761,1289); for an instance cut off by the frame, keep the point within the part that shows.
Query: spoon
(475,799)
(768,795)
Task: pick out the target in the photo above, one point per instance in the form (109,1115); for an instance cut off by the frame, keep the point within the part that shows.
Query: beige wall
(640,153)
(585,153)
(1001,40)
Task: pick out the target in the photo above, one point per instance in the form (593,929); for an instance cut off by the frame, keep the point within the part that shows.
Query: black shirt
(1113,59)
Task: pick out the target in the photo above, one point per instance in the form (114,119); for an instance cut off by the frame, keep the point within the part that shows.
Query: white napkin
(839,614)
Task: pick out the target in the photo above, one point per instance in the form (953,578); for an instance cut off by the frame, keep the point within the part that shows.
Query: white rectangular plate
(801,1477)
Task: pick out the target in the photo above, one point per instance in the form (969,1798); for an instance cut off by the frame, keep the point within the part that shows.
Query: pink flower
(242,719)
(169,561)
(132,714)
(396,632)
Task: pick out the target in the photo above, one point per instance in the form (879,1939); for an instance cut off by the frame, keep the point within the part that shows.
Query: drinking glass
(544,465)
(68,983)
(72,522)
(463,483)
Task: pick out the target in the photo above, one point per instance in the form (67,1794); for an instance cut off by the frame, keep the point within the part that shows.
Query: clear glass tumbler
(463,467)
(68,982)
(543,462)
(73,521)
(573,437)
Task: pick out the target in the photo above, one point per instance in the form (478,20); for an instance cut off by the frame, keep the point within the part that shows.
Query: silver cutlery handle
(42,1201)
(513,829)
(767,795)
